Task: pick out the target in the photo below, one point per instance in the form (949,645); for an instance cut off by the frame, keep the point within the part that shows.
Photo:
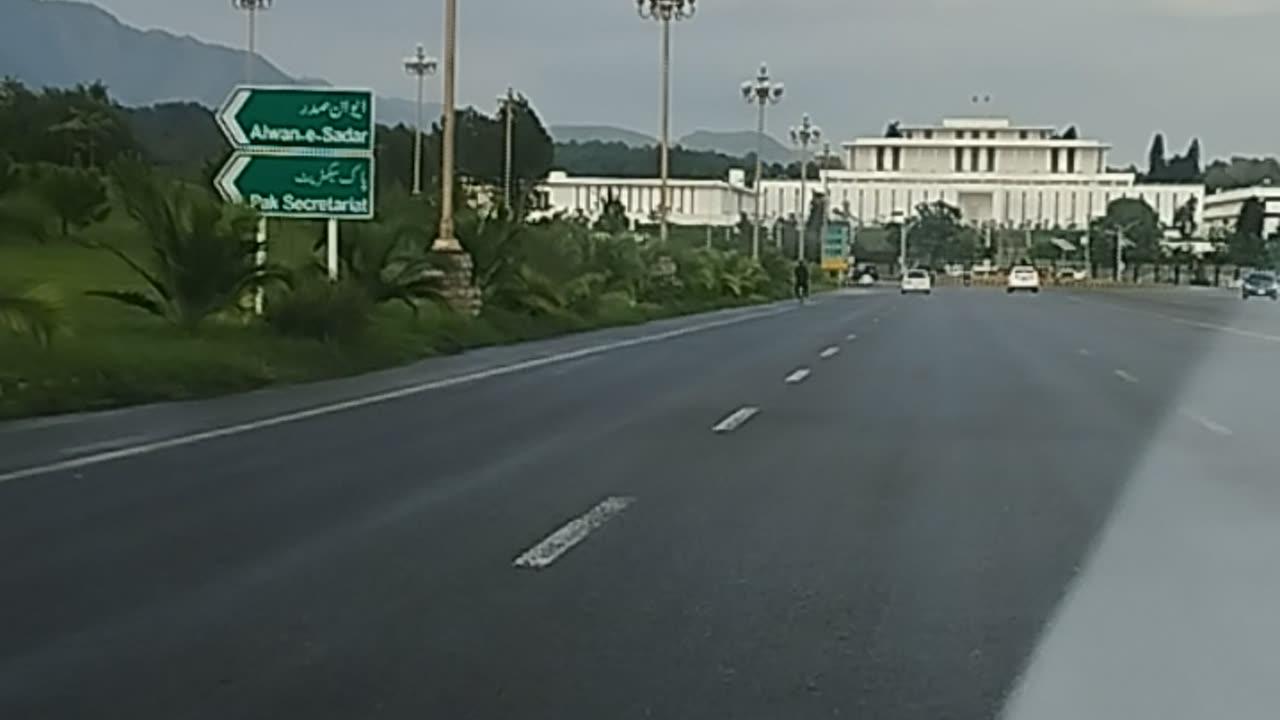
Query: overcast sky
(1120,69)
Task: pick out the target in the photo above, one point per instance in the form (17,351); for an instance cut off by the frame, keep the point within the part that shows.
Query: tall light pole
(420,65)
(508,153)
(446,242)
(802,136)
(907,224)
(762,92)
(251,8)
(665,11)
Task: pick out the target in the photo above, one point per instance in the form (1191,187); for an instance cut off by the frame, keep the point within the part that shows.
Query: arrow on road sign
(298,119)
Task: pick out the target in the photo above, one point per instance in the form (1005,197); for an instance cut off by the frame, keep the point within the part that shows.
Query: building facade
(718,203)
(1222,210)
(997,173)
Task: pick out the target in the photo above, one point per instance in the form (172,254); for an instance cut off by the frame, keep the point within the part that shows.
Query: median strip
(561,541)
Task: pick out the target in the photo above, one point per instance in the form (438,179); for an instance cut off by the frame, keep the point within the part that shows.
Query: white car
(917,281)
(1024,277)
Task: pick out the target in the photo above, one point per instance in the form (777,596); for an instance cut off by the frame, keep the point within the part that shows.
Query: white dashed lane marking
(571,533)
(735,420)
(829,353)
(798,376)
(1126,376)
(1206,423)
(850,337)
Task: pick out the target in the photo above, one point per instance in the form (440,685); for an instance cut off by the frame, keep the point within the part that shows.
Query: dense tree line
(1183,168)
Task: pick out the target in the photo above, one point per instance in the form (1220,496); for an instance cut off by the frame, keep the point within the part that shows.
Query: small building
(1222,209)
(699,203)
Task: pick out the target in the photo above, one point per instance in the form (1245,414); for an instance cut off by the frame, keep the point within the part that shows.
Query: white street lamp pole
(665,11)
(803,135)
(420,65)
(508,149)
(762,92)
(252,8)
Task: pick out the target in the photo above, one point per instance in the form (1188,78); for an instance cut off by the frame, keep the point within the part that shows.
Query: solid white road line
(1206,423)
(1125,376)
(102,445)
(735,419)
(377,398)
(798,376)
(571,533)
(829,353)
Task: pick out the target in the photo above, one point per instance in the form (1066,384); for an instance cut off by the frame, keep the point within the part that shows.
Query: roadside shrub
(321,310)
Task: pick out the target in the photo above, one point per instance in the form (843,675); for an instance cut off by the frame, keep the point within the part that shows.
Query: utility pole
(762,92)
(420,65)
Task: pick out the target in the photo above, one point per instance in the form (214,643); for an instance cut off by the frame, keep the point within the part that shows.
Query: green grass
(111,355)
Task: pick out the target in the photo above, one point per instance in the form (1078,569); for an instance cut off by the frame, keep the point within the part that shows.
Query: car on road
(1260,284)
(1023,277)
(917,281)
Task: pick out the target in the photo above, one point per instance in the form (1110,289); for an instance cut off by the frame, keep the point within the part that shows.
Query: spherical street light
(665,11)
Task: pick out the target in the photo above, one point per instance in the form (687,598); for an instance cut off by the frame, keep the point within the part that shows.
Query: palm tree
(391,262)
(35,313)
(202,252)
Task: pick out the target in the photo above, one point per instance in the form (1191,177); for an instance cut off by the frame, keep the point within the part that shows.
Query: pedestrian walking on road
(801,281)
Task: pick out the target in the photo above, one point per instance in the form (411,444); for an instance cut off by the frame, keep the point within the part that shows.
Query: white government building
(995,172)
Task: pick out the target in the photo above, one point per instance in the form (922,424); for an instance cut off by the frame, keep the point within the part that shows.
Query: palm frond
(36,313)
(134,299)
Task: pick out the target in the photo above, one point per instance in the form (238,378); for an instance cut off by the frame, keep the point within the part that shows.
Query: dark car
(1260,284)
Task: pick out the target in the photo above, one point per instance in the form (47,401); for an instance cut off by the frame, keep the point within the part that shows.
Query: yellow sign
(837,264)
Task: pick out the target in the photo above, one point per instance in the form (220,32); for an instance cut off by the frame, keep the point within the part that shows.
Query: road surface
(966,505)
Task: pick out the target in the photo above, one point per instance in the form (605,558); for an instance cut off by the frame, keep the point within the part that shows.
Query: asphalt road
(966,505)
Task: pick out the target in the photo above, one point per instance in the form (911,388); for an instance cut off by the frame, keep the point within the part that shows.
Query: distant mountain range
(59,43)
(56,43)
(735,143)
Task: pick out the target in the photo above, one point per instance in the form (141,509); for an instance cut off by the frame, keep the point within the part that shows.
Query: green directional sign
(296,118)
(300,186)
(835,248)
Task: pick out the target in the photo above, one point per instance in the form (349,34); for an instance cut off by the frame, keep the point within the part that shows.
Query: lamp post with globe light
(762,92)
(802,136)
(251,8)
(665,12)
(420,65)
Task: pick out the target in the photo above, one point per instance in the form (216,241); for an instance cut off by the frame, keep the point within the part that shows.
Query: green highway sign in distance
(300,186)
(296,118)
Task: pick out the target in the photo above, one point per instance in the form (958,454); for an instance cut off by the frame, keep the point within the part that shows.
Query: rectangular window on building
(991,159)
(974,154)
(1022,134)
(928,134)
(975,135)
(897,158)
(879,159)
(959,134)
(1053,160)
(991,134)
(959,159)
(1071,160)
